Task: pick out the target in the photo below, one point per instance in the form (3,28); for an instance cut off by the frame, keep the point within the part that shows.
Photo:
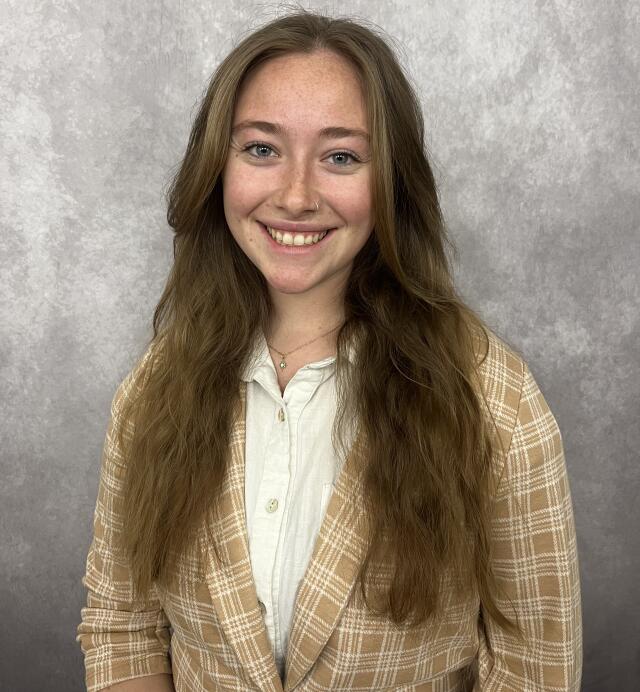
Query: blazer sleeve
(535,561)
(119,637)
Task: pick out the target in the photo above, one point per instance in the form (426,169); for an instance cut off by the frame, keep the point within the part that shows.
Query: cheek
(356,208)
(237,194)
(241,189)
(353,197)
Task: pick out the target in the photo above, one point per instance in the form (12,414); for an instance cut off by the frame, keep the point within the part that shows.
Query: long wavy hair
(414,389)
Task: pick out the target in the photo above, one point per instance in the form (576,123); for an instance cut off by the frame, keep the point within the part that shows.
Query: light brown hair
(414,389)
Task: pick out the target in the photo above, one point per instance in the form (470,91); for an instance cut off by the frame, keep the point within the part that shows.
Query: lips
(293,228)
(327,233)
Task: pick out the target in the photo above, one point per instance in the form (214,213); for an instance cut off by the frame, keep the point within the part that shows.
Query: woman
(325,473)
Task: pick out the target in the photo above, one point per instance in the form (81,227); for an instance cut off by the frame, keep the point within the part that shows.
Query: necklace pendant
(283,365)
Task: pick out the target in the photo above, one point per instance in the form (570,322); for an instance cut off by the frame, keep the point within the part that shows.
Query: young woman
(325,472)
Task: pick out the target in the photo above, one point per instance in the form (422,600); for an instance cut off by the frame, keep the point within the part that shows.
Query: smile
(297,239)
(287,244)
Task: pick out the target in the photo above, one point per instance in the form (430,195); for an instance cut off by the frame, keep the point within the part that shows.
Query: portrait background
(533,123)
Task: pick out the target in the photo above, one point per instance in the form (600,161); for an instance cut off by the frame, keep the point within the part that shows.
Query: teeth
(295,239)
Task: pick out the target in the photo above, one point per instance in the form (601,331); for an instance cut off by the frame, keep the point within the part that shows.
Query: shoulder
(501,371)
(135,380)
(513,400)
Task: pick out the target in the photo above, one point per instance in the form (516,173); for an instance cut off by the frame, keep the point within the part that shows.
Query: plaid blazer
(207,629)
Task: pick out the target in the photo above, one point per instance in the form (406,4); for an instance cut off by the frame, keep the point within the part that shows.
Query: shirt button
(281,415)
(272,505)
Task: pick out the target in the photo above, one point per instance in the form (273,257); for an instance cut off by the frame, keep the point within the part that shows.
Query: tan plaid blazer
(207,628)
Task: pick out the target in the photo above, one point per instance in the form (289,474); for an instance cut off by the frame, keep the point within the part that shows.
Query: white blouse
(290,467)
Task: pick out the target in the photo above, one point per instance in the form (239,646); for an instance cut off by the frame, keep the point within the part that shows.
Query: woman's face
(294,154)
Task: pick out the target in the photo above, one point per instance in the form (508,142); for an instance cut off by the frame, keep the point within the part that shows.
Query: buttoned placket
(269,513)
(276,486)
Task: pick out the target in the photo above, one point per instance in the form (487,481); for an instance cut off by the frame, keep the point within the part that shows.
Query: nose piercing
(317,206)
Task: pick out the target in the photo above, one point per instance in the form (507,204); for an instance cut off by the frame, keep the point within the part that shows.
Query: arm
(121,639)
(535,561)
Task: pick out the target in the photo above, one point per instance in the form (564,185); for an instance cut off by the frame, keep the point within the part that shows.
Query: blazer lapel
(331,574)
(231,584)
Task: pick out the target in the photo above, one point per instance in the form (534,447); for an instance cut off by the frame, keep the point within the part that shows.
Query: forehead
(303,89)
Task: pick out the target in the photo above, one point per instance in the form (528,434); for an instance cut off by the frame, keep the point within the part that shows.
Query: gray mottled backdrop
(533,123)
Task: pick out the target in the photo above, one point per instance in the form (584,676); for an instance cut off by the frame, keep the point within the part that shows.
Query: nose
(297,194)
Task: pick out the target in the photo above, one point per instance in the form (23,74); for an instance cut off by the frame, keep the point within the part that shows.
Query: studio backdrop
(532,121)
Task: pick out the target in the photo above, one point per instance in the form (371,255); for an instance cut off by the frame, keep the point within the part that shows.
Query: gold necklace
(283,363)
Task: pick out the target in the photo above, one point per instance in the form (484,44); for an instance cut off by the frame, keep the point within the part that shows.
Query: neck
(298,319)
(292,335)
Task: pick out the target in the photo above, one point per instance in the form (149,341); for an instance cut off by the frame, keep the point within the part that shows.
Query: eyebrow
(332,132)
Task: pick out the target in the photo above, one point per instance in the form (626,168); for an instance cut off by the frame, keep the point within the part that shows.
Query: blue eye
(346,153)
(262,146)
